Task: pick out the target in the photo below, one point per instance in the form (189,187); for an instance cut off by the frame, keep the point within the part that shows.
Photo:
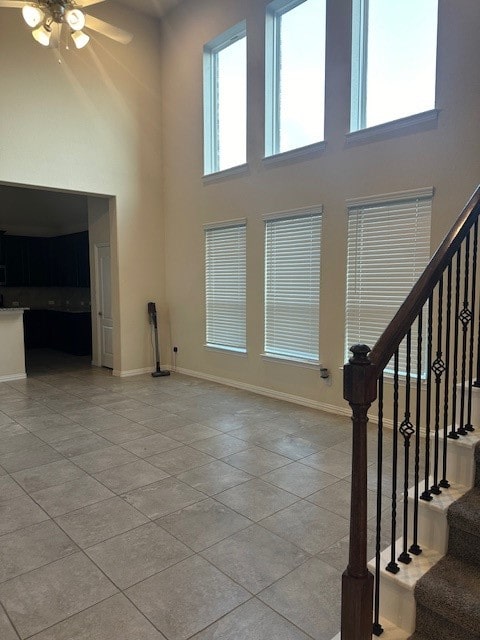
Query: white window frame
(234,232)
(210,95)
(274,10)
(358,95)
(361,266)
(273,349)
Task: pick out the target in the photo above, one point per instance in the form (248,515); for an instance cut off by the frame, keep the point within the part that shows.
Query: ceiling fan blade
(88,3)
(11,4)
(108,30)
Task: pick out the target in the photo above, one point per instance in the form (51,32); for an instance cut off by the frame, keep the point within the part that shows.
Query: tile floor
(145,509)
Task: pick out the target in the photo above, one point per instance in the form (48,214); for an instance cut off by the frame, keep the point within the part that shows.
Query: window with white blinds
(388,248)
(225,278)
(292,285)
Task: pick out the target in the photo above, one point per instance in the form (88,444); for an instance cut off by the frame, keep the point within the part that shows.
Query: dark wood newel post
(360,390)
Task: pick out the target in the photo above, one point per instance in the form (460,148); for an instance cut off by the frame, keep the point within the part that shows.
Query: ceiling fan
(47,18)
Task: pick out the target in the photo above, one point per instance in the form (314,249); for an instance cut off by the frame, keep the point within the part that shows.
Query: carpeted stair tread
(451,589)
(431,626)
(464,514)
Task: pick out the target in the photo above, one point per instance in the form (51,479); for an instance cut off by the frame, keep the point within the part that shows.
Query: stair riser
(460,465)
(397,604)
(464,545)
(432,527)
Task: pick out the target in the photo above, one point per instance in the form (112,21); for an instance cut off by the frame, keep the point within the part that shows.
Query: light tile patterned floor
(145,509)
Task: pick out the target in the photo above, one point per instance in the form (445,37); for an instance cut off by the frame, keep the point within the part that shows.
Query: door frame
(97,351)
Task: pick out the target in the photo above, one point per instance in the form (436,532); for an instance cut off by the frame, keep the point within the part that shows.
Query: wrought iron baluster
(392,566)
(415,547)
(444,482)
(427,495)
(465,318)
(469,426)
(377,627)
(453,433)
(438,368)
(407,430)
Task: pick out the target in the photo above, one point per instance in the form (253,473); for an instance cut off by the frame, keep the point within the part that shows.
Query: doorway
(50,244)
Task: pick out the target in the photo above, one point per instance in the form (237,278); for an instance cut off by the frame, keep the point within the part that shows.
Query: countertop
(63,309)
(13,309)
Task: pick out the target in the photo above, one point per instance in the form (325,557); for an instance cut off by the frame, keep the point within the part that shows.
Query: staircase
(411,598)
(422,377)
(448,596)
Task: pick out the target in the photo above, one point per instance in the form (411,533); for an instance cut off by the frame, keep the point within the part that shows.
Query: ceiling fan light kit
(33,16)
(45,16)
(80,39)
(42,35)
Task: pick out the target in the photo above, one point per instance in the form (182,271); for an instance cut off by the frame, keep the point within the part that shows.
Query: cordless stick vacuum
(152,312)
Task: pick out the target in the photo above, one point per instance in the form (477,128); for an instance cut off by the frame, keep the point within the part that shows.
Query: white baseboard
(132,372)
(270,393)
(12,377)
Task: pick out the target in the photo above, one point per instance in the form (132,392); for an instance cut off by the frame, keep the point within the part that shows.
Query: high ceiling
(38,212)
(156,8)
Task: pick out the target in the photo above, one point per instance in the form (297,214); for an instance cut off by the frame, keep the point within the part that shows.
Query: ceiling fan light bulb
(42,35)
(32,15)
(80,39)
(75,19)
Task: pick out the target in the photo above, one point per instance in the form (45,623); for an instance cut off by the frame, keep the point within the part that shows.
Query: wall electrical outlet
(51,303)
(15,303)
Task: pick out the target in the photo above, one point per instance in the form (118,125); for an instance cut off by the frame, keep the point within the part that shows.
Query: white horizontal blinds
(292,286)
(225,271)
(388,248)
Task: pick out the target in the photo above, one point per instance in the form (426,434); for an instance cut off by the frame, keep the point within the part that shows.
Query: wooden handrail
(396,331)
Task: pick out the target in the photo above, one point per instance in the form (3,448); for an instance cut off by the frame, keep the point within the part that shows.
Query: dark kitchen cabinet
(70,258)
(40,262)
(17,261)
(35,326)
(60,330)
(83,259)
(61,261)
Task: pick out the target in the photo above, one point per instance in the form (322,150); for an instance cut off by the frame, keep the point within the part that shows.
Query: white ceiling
(156,8)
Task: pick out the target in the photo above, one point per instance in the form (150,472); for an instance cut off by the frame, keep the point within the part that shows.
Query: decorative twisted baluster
(453,433)
(407,430)
(377,627)
(415,547)
(438,368)
(465,318)
(444,482)
(469,426)
(427,495)
(392,566)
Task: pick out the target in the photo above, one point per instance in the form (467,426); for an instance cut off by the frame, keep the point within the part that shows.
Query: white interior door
(105,321)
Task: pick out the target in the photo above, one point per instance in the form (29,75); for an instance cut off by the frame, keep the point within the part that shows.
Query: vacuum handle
(152,312)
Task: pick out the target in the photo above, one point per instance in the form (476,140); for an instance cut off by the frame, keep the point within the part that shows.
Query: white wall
(12,362)
(445,156)
(92,124)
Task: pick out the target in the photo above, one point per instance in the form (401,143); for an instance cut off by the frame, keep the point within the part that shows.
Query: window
(292,285)
(295,74)
(388,249)
(225,275)
(225,100)
(394,54)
